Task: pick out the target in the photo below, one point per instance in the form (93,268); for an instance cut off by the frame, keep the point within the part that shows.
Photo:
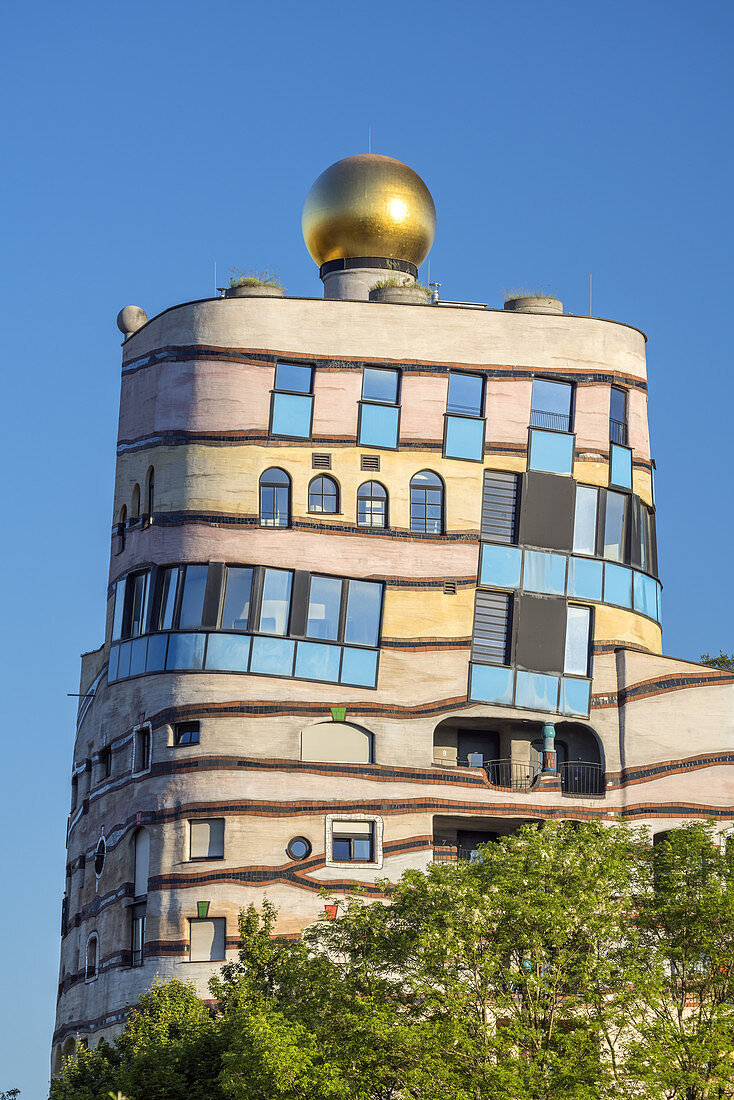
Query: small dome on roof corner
(369,205)
(130,319)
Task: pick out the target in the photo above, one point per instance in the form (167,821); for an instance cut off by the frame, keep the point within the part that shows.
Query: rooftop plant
(267,277)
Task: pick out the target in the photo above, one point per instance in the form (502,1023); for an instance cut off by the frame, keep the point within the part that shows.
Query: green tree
(724,660)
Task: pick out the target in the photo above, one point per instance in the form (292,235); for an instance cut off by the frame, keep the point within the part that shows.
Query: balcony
(617,431)
(559,422)
(583,779)
(510,775)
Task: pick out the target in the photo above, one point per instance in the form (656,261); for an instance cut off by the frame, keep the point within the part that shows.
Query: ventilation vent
(320,462)
(370,462)
(449,588)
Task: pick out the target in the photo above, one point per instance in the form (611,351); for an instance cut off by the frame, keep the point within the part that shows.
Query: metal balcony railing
(559,422)
(510,775)
(617,431)
(581,778)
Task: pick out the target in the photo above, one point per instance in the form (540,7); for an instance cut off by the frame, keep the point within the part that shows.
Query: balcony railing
(510,775)
(617,431)
(559,422)
(583,779)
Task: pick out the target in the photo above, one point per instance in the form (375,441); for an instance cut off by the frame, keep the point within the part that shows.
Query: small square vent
(370,462)
(449,588)
(320,462)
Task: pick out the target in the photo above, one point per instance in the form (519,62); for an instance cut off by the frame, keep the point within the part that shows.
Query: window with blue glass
(618,415)
(620,466)
(353,841)
(426,503)
(275,498)
(551,405)
(379,410)
(578,640)
(584,524)
(371,505)
(292,402)
(464,427)
(550,452)
(323,495)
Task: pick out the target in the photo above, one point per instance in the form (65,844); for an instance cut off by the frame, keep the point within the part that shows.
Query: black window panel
(299,603)
(652,542)
(552,404)
(547,511)
(541,633)
(213,594)
(500,498)
(492,627)
(636,549)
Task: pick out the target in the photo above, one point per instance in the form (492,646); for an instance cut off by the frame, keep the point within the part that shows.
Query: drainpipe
(549,747)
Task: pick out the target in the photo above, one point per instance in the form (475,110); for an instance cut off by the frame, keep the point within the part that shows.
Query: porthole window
(298,848)
(99,856)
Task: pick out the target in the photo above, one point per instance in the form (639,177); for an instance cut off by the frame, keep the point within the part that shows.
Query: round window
(299,847)
(99,856)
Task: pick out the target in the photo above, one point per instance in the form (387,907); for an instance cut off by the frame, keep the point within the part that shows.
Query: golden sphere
(369,205)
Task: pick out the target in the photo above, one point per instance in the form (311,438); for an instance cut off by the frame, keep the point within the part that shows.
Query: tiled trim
(648,688)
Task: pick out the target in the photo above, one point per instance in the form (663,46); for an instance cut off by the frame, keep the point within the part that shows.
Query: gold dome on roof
(369,205)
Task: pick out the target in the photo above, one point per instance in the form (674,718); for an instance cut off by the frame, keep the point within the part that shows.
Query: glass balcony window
(501,566)
(620,466)
(551,405)
(378,425)
(545,573)
(466,394)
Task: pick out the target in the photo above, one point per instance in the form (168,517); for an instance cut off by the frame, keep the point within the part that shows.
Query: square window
(206,838)
(620,466)
(466,392)
(551,452)
(185,651)
(585,578)
(464,438)
(272,656)
(315,661)
(618,585)
(545,573)
(491,684)
(575,696)
(353,841)
(378,425)
(293,378)
(551,405)
(359,667)
(536,690)
(380,385)
(186,733)
(227,652)
(207,939)
(292,415)
(500,566)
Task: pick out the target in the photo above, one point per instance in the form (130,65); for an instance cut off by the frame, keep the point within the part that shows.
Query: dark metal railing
(560,422)
(581,778)
(617,431)
(510,775)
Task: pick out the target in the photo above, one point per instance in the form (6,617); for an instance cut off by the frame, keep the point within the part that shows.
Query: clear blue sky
(144,141)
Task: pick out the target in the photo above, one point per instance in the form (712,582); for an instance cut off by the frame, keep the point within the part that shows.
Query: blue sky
(143,142)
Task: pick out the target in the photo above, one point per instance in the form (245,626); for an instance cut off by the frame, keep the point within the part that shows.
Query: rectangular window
(491,684)
(618,585)
(275,605)
(618,415)
(167,586)
(614,526)
(292,407)
(192,597)
(544,572)
(138,583)
(206,839)
(648,551)
(353,842)
(501,566)
(324,607)
(551,452)
(491,627)
(578,625)
(466,394)
(237,593)
(207,939)
(584,524)
(119,610)
(620,466)
(141,749)
(138,935)
(551,405)
(186,733)
(464,430)
(362,621)
(499,506)
(105,762)
(379,413)
(536,690)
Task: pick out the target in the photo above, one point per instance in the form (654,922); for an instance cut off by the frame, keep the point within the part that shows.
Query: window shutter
(499,506)
(207,940)
(491,627)
(207,839)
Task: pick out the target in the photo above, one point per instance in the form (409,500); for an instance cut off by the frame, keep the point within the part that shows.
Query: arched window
(323,495)
(122,527)
(135,503)
(92,962)
(371,505)
(275,498)
(99,856)
(141,848)
(150,491)
(426,503)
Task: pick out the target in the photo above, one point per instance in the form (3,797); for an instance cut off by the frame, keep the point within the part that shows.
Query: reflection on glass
(371,505)
(426,503)
(157,645)
(139,603)
(323,496)
(574,696)
(292,415)
(584,524)
(324,602)
(464,438)
(236,611)
(491,684)
(465,394)
(576,659)
(294,378)
(364,601)
(276,601)
(167,604)
(614,526)
(551,452)
(618,585)
(317,662)
(646,554)
(536,690)
(185,651)
(544,572)
(118,613)
(501,566)
(275,493)
(272,656)
(620,466)
(618,405)
(359,667)
(138,650)
(192,600)
(645,595)
(585,578)
(378,425)
(551,404)
(228,652)
(380,385)
(114,660)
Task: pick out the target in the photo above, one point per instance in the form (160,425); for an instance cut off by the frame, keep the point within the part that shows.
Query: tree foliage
(723,660)
(569,961)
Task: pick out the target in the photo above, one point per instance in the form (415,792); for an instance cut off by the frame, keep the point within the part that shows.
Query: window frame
(322,477)
(275,485)
(442,530)
(396,404)
(386,499)
(588,675)
(138,917)
(479,417)
(624,423)
(570,430)
(142,733)
(331,824)
(208,920)
(177,742)
(95,973)
(201,821)
(309,394)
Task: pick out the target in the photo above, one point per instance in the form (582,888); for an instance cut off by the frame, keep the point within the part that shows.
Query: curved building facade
(383,585)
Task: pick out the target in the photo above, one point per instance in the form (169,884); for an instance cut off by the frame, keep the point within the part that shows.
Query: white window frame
(334,819)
